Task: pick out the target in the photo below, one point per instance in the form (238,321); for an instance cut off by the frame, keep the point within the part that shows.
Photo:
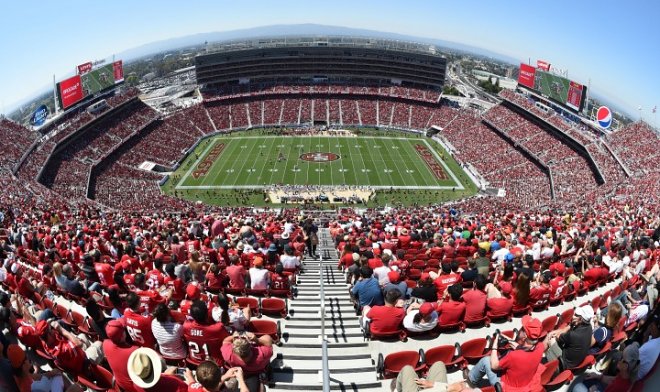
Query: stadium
(321,199)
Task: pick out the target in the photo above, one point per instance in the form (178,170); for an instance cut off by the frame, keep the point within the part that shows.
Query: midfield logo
(319,157)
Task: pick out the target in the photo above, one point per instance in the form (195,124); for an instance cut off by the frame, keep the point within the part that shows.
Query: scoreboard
(559,89)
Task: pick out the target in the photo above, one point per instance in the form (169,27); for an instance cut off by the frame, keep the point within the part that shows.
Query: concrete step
(294,380)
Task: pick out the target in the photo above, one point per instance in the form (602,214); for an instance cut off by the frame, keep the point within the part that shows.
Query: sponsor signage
(526,75)
(544,65)
(118,70)
(71,91)
(604,117)
(574,96)
(84,68)
(39,116)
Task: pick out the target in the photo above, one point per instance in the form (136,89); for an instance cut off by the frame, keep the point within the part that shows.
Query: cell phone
(180,371)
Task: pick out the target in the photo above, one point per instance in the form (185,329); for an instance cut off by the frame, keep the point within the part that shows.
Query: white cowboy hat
(145,367)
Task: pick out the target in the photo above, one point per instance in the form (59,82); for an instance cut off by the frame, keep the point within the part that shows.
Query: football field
(252,162)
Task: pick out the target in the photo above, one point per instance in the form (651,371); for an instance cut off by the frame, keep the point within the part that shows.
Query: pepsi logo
(604,117)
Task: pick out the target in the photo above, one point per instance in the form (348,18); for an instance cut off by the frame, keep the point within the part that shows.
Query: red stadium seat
(274,306)
(447,354)
(97,379)
(551,382)
(475,349)
(391,365)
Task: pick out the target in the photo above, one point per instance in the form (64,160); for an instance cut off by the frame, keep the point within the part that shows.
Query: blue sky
(613,44)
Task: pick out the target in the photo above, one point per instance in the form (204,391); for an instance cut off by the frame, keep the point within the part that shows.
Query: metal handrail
(324,341)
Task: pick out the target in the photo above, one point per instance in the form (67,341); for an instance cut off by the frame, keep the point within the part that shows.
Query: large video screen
(89,82)
(98,79)
(561,90)
(558,88)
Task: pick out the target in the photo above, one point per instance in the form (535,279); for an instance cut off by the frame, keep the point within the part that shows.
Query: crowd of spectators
(231,92)
(636,145)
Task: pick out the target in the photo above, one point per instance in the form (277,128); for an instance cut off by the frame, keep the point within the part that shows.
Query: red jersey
(499,306)
(67,356)
(117,357)
(519,366)
(105,273)
(155,278)
(443,281)
(139,328)
(279,282)
(236,275)
(177,287)
(451,312)
(475,304)
(204,341)
(192,246)
(539,296)
(149,299)
(557,286)
(385,319)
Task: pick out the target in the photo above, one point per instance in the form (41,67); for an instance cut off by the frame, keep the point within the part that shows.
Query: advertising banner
(84,68)
(39,116)
(544,65)
(71,91)
(118,68)
(526,75)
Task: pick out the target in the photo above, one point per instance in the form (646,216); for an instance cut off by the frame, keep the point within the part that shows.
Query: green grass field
(234,169)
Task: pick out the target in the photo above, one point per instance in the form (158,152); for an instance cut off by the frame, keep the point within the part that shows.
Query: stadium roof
(329,41)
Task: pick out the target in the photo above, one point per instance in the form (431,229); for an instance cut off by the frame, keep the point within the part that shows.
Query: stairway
(297,364)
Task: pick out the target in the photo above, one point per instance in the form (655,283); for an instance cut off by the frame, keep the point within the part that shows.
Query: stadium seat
(565,318)
(391,365)
(548,324)
(588,362)
(249,302)
(97,379)
(448,354)
(475,349)
(399,334)
(265,327)
(274,306)
(552,382)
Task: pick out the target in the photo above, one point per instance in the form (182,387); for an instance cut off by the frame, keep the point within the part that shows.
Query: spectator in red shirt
(203,338)
(236,273)
(117,350)
(445,279)
(404,239)
(215,279)
(149,297)
(500,305)
(557,283)
(539,295)
(451,311)
(174,283)
(518,368)
(138,325)
(68,350)
(155,276)
(250,354)
(475,300)
(386,318)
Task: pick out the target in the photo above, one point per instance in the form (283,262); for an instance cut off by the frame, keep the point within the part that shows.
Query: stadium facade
(322,59)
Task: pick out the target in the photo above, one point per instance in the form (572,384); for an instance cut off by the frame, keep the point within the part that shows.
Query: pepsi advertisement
(39,116)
